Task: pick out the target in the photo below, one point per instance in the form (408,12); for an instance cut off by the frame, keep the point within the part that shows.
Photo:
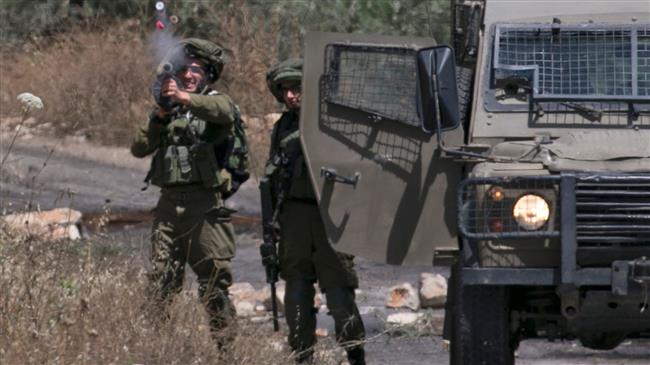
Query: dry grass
(92,83)
(253,50)
(69,302)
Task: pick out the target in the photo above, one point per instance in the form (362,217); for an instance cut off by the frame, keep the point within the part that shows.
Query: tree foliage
(388,17)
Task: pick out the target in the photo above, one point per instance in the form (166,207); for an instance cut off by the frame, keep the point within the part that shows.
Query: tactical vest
(188,154)
(286,167)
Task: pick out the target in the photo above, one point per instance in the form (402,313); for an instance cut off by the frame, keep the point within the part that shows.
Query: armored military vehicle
(520,157)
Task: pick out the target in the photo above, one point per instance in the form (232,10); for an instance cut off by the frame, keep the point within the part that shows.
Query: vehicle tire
(481,331)
(451,315)
(602,340)
(464,84)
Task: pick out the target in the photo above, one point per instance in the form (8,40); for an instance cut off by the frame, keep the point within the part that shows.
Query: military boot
(348,325)
(356,356)
(301,318)
(222,315)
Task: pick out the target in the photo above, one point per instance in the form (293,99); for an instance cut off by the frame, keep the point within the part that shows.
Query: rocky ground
(105,185)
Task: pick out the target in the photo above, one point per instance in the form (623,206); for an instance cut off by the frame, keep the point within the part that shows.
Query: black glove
(269,254)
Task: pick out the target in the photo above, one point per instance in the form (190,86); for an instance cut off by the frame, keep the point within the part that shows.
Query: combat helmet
(288,70)
(208,52)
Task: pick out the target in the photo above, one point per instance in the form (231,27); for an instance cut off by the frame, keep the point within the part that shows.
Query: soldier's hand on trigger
(171,89)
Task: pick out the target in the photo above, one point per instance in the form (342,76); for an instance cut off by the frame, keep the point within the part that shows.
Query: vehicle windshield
(586,62)
(582,69)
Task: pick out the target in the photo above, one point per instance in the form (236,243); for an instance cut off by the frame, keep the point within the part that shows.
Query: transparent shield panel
(378,80)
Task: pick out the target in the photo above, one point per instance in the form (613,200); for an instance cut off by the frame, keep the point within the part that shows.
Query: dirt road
(95,180)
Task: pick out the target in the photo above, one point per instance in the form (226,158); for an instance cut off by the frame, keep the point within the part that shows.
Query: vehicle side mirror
(437,88)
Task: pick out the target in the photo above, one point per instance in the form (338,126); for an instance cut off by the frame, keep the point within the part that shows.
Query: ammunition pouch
(205,160)
(171,166)
(182,165)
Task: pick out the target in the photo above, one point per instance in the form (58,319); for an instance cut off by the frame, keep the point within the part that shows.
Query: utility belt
(183,189)
(183,194)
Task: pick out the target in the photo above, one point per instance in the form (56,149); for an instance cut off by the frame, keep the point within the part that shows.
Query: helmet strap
(205,88)
(211,73)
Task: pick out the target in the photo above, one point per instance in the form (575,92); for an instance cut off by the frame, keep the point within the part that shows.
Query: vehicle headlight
(531,212)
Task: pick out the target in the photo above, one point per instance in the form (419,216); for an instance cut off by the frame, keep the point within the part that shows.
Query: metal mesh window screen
(615,115)
(643,63)
(378,80)
(585,61)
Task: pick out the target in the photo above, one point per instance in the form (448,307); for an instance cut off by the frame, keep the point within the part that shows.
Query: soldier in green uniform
(304,252)
(192,225)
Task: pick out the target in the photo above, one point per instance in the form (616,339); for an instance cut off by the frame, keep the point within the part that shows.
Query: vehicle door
(385,190)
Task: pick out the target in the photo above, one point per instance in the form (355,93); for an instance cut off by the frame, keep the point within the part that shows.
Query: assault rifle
(268,249)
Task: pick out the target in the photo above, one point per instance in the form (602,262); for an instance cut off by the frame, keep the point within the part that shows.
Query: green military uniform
(192,225)
(305,254)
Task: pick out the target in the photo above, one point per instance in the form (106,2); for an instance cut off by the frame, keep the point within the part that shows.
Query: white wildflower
(30,101)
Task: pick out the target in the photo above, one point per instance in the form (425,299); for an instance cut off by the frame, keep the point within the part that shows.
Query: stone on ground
(245,308)
(59,223)
(424,323)
(404,318)
(403,296)
(433,290)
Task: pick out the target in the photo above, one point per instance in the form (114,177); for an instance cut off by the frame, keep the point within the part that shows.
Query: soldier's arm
(218,109)
(147,137)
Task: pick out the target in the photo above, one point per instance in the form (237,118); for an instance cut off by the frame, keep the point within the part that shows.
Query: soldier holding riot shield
(304,254)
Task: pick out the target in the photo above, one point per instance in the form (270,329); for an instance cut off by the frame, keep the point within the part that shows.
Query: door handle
(330,174)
